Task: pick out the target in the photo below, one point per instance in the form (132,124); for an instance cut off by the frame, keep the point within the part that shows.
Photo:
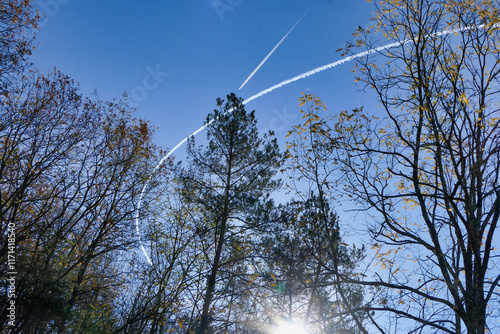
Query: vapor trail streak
(281,84)
(139,203)
(357,55)
(275,47)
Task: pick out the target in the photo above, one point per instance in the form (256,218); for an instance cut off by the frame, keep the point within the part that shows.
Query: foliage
(17,25)
(428,170)
(225,185)
(70,170)
(224,257)
(315,230)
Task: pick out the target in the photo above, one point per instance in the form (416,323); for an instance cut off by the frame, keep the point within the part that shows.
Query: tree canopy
(245,238)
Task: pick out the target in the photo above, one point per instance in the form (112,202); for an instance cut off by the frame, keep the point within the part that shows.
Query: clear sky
(176,57)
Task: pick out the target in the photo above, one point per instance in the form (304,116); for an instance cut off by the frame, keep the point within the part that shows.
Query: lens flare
(290,328)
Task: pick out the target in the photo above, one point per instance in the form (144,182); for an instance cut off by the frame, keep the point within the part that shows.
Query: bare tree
(428,170)
(18,22)
(315,228)
(70,172)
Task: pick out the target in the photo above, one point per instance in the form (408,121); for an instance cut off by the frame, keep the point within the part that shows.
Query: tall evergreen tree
(227,180)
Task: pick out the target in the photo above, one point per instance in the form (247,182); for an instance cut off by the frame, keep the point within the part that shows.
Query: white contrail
(139,203)
(357,55)
(276,46)
(281,84)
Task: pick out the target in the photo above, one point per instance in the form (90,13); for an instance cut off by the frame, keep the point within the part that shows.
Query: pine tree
(227,180)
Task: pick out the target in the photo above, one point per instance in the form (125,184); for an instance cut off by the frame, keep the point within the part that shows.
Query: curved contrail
(276,46)
(279,85)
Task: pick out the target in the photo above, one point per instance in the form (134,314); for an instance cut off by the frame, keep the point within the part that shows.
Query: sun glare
(290,328)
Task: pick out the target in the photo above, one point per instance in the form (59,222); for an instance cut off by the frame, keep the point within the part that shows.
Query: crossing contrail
(279,85)
(276,46)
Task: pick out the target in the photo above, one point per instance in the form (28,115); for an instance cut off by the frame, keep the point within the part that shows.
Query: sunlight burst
(290,328)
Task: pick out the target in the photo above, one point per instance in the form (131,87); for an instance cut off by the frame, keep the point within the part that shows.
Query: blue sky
(208,48)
